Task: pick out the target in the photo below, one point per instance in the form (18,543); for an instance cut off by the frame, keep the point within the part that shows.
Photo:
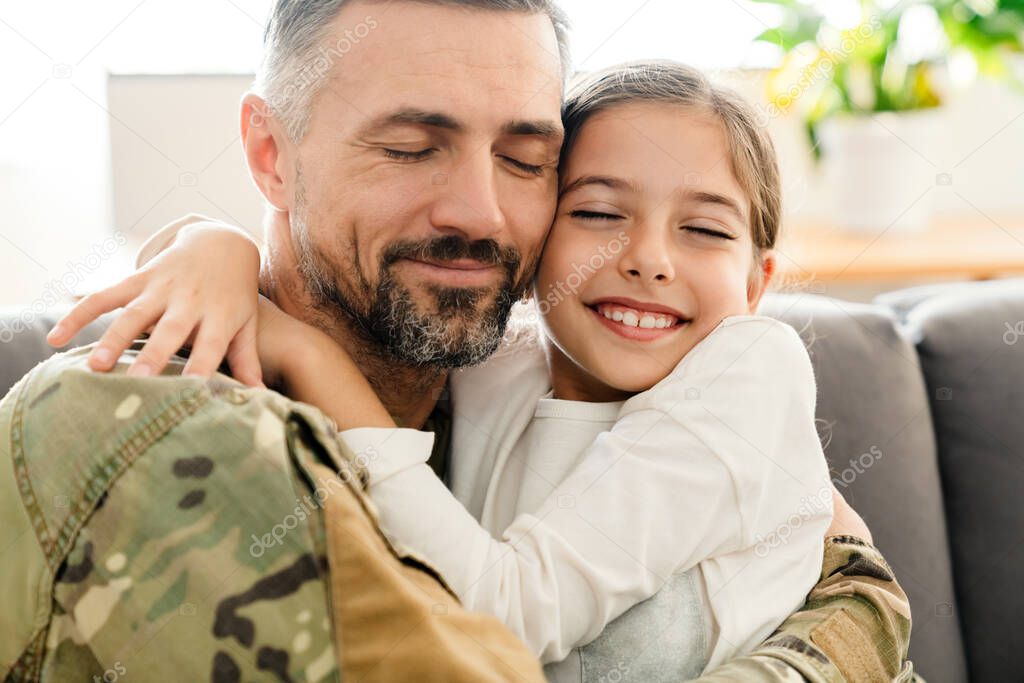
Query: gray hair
(296,61)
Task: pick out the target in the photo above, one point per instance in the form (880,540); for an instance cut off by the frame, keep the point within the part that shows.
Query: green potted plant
(869,87)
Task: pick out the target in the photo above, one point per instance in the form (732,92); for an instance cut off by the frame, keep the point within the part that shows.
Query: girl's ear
(760,279)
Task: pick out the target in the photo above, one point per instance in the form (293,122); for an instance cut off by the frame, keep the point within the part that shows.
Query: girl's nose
(646,258)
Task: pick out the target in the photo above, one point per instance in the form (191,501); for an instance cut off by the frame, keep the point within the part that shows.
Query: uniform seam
(28,496)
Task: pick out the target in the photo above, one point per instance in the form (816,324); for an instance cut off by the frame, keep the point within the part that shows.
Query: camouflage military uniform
(189,530)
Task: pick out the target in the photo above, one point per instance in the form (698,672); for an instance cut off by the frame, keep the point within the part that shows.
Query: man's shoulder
(62,392)
(63,415)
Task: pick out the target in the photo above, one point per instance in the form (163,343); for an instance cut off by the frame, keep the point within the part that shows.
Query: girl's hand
(202,289)
(846,521)
(307,365)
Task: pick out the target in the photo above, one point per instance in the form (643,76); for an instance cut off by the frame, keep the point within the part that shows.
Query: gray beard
(459,333)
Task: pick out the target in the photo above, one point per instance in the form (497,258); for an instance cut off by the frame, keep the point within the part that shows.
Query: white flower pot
(879,170)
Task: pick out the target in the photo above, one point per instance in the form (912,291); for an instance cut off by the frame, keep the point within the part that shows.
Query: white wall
(175,149)
(81,157)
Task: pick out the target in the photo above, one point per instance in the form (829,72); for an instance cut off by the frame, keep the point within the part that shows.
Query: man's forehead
(440,58)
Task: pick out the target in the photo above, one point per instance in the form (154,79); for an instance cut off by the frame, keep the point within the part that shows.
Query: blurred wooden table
(956,248)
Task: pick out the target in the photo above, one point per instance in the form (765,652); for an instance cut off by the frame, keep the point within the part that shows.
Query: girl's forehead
(661,147)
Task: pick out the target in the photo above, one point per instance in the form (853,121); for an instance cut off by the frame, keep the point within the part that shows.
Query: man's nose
(646,258)
(467,199)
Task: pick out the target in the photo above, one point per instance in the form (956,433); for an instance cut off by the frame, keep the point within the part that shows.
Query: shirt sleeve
(678,479)
(387,452)
(854,627)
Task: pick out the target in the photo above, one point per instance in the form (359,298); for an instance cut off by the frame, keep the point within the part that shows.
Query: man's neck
(409,393)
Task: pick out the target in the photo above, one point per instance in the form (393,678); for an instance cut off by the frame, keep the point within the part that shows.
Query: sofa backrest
(970,340)
(23,341)
(876,426)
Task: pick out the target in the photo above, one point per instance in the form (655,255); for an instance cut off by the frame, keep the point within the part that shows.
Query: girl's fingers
(136,317)
(90,308)
(243,357)
(208,351)
(169,335)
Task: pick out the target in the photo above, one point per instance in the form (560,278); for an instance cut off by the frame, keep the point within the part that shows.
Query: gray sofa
(920,405)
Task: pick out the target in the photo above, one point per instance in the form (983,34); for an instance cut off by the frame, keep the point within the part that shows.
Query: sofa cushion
(874,419)
(970,340)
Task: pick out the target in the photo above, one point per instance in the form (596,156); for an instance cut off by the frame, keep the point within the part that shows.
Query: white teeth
(644,321)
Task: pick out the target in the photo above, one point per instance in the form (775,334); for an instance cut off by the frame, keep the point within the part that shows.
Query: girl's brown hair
(754,162)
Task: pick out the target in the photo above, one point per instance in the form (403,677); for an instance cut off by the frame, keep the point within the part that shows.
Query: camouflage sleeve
(178,529)
(854,627)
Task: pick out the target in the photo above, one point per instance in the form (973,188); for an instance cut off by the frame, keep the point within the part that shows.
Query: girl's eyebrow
(623,185)
(604,180)
(703,197)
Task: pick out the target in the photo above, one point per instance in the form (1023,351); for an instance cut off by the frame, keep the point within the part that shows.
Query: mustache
(453,247)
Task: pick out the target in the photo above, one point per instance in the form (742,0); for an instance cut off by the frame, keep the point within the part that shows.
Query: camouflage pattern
(174,529)
(203,560)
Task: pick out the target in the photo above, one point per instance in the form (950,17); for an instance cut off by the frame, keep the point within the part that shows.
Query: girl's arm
(202,292)
(309,366)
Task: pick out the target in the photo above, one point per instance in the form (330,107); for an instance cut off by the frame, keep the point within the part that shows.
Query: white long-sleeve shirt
(588,509)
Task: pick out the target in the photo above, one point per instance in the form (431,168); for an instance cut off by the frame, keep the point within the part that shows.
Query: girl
(648,493)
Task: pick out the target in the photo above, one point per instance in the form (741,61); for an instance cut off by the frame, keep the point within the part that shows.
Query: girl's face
(651,249)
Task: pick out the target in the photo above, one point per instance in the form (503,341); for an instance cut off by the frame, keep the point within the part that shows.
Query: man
(177,527)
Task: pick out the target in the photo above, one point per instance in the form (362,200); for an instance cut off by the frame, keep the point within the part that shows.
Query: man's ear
(267,150)
(760,279)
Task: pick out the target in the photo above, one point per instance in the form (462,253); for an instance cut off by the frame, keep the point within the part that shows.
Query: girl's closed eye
(712,233)
(594,215)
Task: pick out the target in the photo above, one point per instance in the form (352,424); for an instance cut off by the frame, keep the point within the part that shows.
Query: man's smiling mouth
(457,273)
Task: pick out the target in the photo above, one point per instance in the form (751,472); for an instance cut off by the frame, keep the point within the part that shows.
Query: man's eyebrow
(604,180)
(414,117)
(544,129)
